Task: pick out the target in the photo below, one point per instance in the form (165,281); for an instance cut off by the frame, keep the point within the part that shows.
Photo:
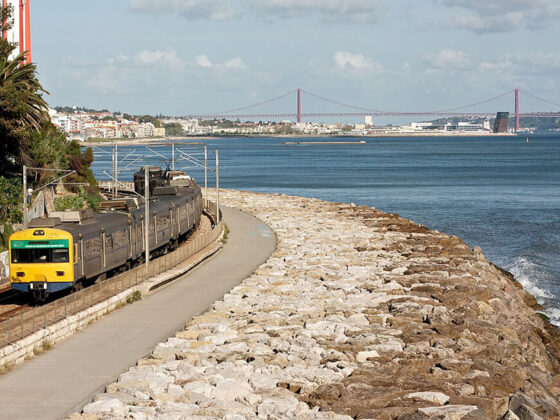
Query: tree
(22,107)
(47,149)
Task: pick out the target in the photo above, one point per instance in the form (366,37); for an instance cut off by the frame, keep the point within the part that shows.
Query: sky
(182,57)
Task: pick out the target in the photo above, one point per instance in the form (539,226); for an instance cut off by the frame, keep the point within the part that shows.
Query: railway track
(19,318)
(13,312)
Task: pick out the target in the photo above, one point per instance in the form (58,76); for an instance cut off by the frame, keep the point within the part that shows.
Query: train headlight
(45,286)
(30,285)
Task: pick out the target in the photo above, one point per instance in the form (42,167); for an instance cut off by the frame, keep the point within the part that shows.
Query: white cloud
(190,9)
(345,60)
(235,63)
(203,61)
(167,59)
(503,15)
(354,11)
(447,59)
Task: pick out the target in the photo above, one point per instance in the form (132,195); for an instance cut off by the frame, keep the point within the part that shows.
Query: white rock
(438,398)
(363,356)
(112,407)
(448,412)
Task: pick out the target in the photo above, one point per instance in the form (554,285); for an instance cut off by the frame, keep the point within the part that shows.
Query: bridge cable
(476,103)
(223,113)
(339,103)
(540,99)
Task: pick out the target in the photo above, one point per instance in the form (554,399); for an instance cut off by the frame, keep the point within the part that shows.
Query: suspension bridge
(252,112)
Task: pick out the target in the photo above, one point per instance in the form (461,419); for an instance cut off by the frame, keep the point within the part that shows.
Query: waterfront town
(85,125)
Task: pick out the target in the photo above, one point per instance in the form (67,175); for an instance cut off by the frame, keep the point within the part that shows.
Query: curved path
(64,379)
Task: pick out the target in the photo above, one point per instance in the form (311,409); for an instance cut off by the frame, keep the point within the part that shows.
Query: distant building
(159,132)
(368,121)
(20,33)
(501,123)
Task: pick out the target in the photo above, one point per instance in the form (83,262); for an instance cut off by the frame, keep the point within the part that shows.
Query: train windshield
(40,255)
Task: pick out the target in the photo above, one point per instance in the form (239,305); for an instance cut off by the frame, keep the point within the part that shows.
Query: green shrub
(5,237)
(68,202)
(10,200)
(136,296)
(543,316)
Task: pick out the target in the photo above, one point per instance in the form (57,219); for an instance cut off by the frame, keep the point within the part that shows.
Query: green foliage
(134,297)
(173,129)
(150,119)
(93,200)
(73,109)
(22,107)
(48,150)
(11,200)
(68,202)
(5,236)
(544,317)
(225,234)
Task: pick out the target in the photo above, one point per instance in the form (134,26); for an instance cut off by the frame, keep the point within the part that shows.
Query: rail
(34,319)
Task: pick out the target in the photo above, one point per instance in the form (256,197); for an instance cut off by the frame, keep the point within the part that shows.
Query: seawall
(358,313)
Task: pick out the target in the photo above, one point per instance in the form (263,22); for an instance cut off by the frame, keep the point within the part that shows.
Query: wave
(554,315)
(534,278)
(531,276)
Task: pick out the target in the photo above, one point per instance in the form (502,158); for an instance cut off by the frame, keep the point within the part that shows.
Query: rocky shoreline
(357,314)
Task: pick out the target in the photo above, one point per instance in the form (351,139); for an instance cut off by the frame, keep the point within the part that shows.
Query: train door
(129,239)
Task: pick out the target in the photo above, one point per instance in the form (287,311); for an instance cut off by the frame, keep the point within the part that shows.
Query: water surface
(500,193)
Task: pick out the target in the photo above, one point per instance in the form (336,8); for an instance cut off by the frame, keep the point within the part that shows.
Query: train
(72,249)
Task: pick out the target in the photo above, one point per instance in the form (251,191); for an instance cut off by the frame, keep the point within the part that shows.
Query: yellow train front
(42,261)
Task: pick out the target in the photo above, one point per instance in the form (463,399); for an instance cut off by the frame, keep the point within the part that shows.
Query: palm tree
(22,107)
(20,78)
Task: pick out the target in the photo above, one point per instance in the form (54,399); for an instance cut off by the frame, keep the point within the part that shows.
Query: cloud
(447,59)
(345,60)
(485,16)
(166,59)
(353,11)
(235,63)
(203,61)
(190,9)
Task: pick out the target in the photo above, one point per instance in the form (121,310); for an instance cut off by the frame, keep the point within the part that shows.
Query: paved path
(64,379)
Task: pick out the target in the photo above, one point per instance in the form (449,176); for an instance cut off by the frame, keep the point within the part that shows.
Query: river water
(500,193)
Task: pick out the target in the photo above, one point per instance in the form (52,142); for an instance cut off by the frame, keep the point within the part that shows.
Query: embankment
(358,313)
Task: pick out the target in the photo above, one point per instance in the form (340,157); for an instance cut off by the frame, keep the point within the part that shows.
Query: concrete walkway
(64,379)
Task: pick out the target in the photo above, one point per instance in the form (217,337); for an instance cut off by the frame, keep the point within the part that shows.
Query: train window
(60,255)
(38,256)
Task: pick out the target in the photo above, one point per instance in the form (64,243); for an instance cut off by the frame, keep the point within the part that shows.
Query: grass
(45,345)
(134,297)
(6,367)
(543,316)
(225,234)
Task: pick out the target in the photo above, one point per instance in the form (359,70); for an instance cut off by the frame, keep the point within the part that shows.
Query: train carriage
(76,247)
